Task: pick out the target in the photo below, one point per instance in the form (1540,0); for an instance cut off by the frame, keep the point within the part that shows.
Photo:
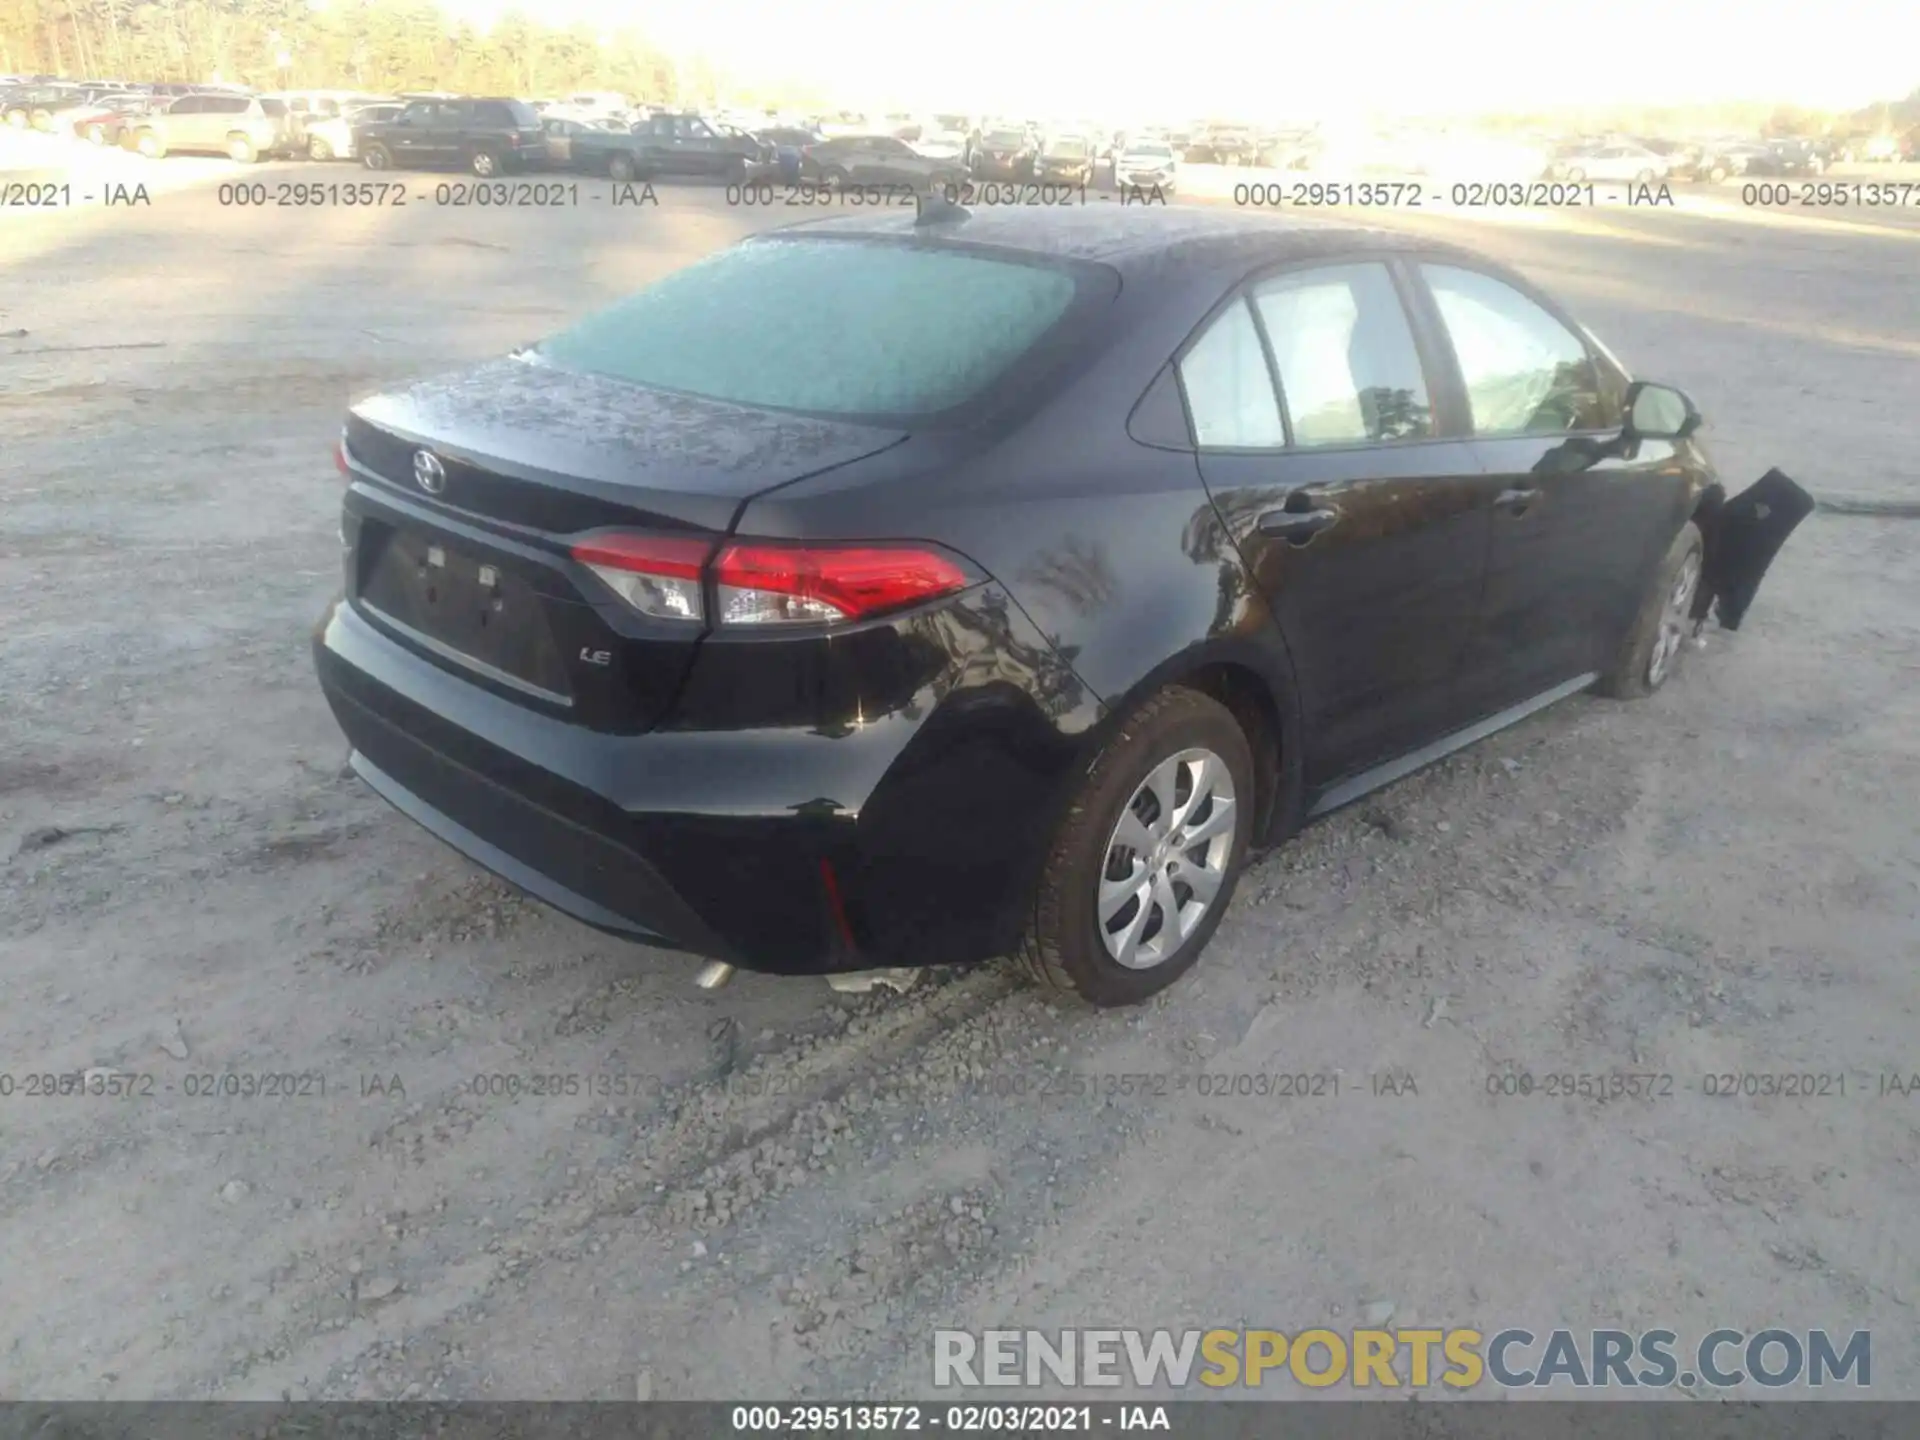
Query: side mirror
(1660,412)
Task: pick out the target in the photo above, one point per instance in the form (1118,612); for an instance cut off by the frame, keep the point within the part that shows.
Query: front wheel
(1652,649)
(484,163)
(1145,860)
(1575,175)
(96,134)
(377,157)
(1644,178)
(150,145)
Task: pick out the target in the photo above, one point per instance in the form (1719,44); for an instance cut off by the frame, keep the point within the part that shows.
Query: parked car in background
(855,160)
(1618,163)
(487,136)
(40,107)
(1005,152)
(788,141)
(951,145)
(333,137)
(1147,164)
(108,124)
(242,127)
(1064,159)
(1722,159)
(685,145)
(562,130)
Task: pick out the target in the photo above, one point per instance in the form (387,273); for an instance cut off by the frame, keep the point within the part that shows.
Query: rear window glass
(1005,137)
(273,107)
(829,327)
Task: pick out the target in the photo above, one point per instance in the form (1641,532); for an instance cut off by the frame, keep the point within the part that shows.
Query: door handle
(1516,500)
(1297,527)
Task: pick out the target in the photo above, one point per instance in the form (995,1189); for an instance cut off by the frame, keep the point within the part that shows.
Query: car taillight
(663,577)
(658,575)
(786,585)
(340,461)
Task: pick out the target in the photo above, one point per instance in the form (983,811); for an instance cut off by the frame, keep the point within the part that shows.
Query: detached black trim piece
(1748,532)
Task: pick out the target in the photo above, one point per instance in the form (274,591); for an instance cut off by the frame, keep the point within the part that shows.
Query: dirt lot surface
(781,1190)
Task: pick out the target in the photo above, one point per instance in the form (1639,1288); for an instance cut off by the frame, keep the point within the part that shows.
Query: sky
(1254,59)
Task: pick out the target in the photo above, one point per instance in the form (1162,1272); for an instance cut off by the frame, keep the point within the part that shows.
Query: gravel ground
(781,1189)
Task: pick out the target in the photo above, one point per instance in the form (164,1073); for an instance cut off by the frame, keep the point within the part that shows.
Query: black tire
(737,170)
(620,169)
(96,134)
(834,178)
(484,163)
(241,150)
(318,148)
(1717,173)
(1575,175)
(42,120)
(1063,950)
(1645,177)
(377,156)
(17,119)
(149,144)
(1633,675)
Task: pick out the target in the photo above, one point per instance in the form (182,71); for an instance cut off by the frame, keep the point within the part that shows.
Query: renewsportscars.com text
(1461,1359)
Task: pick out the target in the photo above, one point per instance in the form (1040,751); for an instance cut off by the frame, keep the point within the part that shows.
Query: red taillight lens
(659,575)
(340,462)
(786,585)
(662,576)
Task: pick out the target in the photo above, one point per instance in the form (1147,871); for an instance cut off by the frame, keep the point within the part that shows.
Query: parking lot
(780,1189)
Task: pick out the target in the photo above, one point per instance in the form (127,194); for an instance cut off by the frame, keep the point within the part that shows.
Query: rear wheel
(241,150)
(42,120)
(620,169)
(834,178)
(1575,175)
(149,144)
(1145,861)
(1717,173)
(97,134)
(1652,649)
(1645,177)
(17,119)
(318,149)
(377,157)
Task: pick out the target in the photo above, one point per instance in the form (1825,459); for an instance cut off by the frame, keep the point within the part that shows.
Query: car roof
(1133,236)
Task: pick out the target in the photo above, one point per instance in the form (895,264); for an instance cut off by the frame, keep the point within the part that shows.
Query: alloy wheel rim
(1674,620)
(1166,859)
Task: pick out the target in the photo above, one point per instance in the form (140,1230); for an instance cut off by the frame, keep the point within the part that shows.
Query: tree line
(381,46)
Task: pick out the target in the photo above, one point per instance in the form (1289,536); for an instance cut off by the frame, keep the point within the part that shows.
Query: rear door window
(1349,371)
(1229,389)
(831,327)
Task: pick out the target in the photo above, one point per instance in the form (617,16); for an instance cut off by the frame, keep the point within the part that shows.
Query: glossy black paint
(692,791)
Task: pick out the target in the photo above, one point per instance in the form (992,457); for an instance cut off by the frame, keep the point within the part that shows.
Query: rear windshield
(1069,148)
(1005,137)
(829,327)
(273,107)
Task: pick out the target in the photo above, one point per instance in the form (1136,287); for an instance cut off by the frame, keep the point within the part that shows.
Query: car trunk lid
(470,490)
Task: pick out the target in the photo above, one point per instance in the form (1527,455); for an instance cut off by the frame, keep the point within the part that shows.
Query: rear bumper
(911,839)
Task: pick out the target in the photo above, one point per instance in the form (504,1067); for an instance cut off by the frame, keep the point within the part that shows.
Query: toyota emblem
(428,472)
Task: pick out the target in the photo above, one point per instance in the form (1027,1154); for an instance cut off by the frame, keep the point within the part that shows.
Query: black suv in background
(486,136)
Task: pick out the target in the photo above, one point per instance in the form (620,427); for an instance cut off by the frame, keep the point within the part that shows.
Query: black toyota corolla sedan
(916,589)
